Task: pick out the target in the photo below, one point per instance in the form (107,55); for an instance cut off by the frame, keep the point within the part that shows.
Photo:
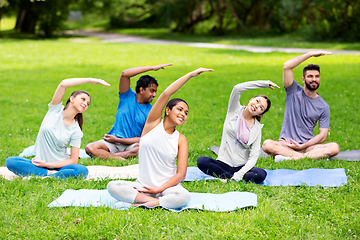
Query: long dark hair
(258,117)
(79,117)
(173,102)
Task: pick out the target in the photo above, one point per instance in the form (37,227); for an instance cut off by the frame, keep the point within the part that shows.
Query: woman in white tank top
(160,145)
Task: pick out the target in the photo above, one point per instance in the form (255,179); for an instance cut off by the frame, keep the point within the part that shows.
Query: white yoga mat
(229,201)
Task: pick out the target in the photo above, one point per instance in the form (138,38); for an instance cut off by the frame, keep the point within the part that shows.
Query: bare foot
(149,204)
(51,172)
(118,156)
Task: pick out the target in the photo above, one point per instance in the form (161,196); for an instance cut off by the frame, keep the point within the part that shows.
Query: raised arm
(61,89)
(288,75)
(124,83)
(154,116)
(234,103)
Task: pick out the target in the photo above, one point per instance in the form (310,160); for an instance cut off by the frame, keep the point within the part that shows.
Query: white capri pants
(173,197)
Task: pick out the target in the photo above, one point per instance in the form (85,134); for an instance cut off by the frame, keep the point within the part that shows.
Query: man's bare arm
(124,83)
(127,141)
(321,137)
(288,75)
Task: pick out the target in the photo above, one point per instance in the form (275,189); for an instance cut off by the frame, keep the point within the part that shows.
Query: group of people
(139,129)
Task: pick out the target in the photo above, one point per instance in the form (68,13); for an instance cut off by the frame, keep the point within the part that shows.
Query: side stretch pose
(160,145)
(304,107)
(122,140)
(241,138)
(61,126)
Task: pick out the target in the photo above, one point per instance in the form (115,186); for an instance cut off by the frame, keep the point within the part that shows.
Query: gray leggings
(173,197)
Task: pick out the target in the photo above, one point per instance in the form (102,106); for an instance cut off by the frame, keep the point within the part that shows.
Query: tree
(3,3)
(46,15)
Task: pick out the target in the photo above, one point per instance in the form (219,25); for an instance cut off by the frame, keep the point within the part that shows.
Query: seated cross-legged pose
(61,126)
(160,146)
(122,141)
(241,138)
(304,107)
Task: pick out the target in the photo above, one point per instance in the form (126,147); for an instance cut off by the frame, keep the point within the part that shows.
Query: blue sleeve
(125,95)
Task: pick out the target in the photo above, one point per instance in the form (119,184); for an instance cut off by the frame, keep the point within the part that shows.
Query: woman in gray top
(241,138)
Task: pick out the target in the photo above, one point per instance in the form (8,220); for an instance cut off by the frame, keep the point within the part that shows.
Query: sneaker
(279,158)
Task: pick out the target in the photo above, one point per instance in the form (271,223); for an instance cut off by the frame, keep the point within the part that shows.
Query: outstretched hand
(320,53)
(198,71)
(99,81)
(272,85)
(161,66)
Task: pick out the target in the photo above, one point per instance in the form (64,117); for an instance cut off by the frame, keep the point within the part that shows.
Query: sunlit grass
(32,69)
(286,40)
(7,23)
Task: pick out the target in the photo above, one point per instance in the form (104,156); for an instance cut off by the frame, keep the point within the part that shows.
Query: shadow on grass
(15,34)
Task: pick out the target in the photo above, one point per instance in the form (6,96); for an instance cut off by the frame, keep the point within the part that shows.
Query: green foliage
(320,19)
(285,40)
(42,16)
(29,78)
(335,19)
(317,20)
(4,3)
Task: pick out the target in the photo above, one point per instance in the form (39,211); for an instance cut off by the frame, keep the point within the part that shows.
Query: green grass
(7,23)
(98,23)
(295,40)
(32,69)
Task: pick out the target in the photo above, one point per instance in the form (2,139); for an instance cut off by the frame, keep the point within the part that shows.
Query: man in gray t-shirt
(304,107)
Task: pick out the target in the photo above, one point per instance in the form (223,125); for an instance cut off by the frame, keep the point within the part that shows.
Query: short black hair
(311,67)
(144,82)
(173,102)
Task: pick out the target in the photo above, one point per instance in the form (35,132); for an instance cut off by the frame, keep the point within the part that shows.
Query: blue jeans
(23,167)
(220,169)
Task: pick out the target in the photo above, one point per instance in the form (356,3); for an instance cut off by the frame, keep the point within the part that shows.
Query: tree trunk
(26,21)
(1,11)
(20,19)
(238,20)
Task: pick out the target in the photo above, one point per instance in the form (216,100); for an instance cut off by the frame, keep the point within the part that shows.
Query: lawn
(32,69)
(293,40)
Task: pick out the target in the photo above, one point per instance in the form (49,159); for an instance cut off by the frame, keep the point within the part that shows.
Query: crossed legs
(316,151)
(220,169)
(23,167)
(173,197)
(99,149)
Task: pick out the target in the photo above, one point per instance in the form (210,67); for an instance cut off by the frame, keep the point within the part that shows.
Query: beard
(308,86)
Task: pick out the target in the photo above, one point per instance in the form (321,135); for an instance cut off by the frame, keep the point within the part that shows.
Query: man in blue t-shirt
(123,139)
(304,107)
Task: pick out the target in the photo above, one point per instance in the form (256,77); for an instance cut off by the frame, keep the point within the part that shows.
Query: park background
(34,61)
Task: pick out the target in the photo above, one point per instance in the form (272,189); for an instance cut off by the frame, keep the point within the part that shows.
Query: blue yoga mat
(286,177)
(351,156)
(203,201)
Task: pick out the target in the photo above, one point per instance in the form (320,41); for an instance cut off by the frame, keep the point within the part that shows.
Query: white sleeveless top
(157,155)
